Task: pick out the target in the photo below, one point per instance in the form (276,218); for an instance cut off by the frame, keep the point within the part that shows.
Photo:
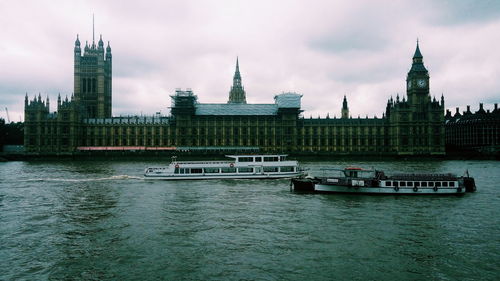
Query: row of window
(420,183)
(259,159)
(89,85)
(226,170)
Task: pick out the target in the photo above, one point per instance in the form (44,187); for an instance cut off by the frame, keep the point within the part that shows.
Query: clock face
(421,83)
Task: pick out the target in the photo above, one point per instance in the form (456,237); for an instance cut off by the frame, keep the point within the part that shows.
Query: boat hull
(220,177)
(316,185)
(387,190)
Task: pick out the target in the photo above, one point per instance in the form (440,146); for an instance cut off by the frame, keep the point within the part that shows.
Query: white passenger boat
(361,181)
(239,167)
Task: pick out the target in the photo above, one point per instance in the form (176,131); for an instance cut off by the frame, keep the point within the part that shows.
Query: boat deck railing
(204,162)
(423,176)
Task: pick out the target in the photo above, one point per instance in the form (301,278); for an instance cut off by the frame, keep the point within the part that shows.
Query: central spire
(237,72)
(417,54)
(418,61)
(237,93)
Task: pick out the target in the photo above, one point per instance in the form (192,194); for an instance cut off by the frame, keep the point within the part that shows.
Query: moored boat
(239,167)
(360,181)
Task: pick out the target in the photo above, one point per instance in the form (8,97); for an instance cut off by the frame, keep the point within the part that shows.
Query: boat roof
(423,177)
(348,169)
(256,155)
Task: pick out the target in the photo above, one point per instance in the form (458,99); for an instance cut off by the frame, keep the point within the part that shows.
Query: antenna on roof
(93,29)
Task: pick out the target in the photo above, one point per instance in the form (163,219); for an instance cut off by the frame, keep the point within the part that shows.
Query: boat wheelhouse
(239,167)
(359,181)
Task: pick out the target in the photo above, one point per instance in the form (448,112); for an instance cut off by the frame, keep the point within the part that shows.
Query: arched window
(84,84)
(93,85)
(89,85)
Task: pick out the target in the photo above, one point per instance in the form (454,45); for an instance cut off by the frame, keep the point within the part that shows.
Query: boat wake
(111,178)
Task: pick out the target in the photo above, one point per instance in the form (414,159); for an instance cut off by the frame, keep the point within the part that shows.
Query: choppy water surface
(90,220)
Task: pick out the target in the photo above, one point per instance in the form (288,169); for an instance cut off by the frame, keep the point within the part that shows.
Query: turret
(101,43)
(100,48)
(345,109)
(77,45)
(108,52)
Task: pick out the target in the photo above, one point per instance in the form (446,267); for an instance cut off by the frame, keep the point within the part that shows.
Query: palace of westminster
(409,126)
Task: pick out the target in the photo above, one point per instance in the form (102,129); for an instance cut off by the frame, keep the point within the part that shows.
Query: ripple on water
(102,221)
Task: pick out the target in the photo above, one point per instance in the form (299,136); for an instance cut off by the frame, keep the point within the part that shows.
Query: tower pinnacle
(418,61)
(345,109)
(417,52)
(237,93)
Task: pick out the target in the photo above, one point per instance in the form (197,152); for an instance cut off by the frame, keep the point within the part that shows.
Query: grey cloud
(366,41)
(466,11)
(319,49)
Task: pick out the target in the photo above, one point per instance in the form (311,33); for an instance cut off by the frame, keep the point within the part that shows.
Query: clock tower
(417,81)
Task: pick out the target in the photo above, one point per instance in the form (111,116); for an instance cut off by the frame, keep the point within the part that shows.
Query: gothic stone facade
(479,131)
(412,126)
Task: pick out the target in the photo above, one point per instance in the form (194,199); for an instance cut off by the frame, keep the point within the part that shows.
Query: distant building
(412,126)
(479,131)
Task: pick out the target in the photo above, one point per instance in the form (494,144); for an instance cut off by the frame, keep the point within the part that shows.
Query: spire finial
(237,71)
(417,52)
(93,29)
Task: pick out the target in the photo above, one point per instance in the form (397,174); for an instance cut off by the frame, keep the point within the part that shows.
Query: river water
(95,220)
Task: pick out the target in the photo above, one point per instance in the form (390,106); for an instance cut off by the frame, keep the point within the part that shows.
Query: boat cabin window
(424,184)
(395,183)
(410,183)
(258,159)
(351,174)
(176,171)
(282,158)
(388,183)
(431,184)
(271,159)
(417,184)
(445,184)
(211,170)
(245,170)
(286,169)
(228,170)
(438,184)
(270,169)
(245,159)
(452,184)
(196,171)
(403,183)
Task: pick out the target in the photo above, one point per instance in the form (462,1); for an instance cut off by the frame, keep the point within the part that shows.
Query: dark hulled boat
(361,181)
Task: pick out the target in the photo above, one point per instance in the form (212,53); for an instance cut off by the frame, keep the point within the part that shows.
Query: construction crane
(8,118)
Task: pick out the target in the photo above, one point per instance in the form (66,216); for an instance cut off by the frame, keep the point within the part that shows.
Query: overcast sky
(320,49)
